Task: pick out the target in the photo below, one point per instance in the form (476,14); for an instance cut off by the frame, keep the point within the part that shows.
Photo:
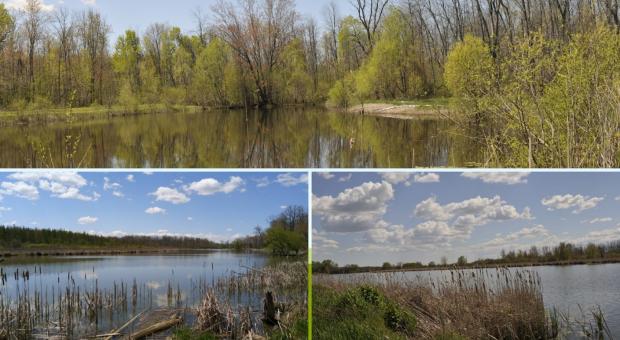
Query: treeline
(563,253)
(287,234)
(16,238)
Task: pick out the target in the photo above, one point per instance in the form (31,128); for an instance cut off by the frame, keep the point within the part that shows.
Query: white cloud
(502,241)
(355,209)
(5,209)
(262,182)
(426,178)
(19,189)
(510,178)
(346,178)
(190,218)
(600,236)
(170,195)
(320,241)
(211,186)
(578,203)
(396,177)
(112,186)
(155,211)
(21,5)
(326,175)
(290,180)
(600,220)
(283,207)
(89,2)
(87,220)
(64,185)
(130,178)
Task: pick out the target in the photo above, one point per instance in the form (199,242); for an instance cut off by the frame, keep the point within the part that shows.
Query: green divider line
(310,294)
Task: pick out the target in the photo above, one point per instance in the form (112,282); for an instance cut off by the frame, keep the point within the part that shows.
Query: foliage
(284,242)
(469,69)
(358,313)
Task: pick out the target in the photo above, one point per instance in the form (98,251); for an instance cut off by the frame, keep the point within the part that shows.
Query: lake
(569,289)
(283,138)
(125,286)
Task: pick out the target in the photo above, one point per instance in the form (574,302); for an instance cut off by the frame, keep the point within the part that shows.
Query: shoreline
(402,111)
(6,255)
(489,266)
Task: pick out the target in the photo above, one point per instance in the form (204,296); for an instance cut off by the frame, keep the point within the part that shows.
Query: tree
(127,58)
(283,242)
(469,68)
(34,26)
(94,36)
(386,265)
(370,14)
(6,25)
(258,32)
(462,261)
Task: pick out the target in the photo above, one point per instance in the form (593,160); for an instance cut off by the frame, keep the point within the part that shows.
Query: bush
(469,70)
(342,93)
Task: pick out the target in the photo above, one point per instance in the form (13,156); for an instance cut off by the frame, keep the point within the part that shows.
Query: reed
(498,303)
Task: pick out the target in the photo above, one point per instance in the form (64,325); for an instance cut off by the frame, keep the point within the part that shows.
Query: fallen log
(118,331)
(156,328)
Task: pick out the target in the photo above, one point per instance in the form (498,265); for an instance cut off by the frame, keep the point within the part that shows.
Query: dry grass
(476,304)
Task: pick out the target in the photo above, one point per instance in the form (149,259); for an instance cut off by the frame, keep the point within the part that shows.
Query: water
(284,138)
(572,290)
(186,276)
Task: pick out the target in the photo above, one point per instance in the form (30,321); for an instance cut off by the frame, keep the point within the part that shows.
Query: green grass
(358,313)
(186,333)
(89,111)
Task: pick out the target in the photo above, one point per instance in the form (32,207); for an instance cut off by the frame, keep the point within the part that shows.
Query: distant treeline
(287,234)
(564,253)
(16,238)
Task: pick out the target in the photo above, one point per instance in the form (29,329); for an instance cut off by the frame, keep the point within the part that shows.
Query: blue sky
(218,206)
(138,14)
(367,219)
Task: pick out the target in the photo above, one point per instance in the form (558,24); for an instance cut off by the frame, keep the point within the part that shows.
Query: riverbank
(407,110)
(11,255)
(367,270)
(52,115)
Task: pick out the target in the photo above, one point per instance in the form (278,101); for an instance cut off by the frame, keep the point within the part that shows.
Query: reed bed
(77,306)
(499,303)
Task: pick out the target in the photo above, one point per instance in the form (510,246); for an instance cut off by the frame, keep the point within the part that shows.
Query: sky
(371,218)
(217,206)
(139,14)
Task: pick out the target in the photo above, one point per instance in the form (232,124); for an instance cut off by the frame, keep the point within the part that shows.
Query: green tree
(462,261)
(469,70)
(6,25)
(127,57)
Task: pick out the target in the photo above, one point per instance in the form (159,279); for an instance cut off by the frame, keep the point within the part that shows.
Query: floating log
(271,314)
(156,328)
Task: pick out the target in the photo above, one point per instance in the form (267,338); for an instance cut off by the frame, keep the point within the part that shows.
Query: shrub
(469,70)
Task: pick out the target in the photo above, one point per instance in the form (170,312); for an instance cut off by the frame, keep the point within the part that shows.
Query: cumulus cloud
(396,177)
(130,178)
(320,241)
(290,180)
(578,203)
(64,185)
(114,187)
(170,195)
(346,178)
(89,2)
(426,178)
(155,211)
(510,178)
(355,209)
(19,189)
(211,186)
(87,220)
(502,241)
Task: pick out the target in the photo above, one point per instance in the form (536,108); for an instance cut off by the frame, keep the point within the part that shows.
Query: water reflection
(237,139)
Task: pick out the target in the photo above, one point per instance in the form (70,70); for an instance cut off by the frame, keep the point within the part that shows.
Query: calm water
(569,289)
(186,276)
(291,138)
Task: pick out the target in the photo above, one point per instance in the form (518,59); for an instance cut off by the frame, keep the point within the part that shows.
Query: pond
(60,291)
(573,290)
(283,138)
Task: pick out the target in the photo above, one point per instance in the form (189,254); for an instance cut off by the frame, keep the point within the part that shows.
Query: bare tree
(201,26)
(34,23)
(370,13)
(258,31)
(64,30)
(94,36)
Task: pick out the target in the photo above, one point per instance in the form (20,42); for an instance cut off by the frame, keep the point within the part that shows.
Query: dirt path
(399,111)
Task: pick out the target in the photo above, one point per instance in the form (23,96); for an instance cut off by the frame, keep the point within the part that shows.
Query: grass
(90,112)
(502,304)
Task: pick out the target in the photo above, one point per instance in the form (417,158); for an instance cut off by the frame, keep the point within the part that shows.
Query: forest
(287,234)
(533,81)
(562,254)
